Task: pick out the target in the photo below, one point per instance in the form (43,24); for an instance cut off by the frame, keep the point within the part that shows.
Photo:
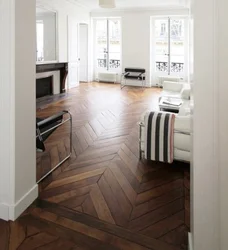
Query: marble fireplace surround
(59,71)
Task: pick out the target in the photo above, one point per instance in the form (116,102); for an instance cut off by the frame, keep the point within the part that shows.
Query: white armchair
(180,90)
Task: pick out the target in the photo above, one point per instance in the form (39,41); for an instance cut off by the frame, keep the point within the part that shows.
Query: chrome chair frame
(40,134)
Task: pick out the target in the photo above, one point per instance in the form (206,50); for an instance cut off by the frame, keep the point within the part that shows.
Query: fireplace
(44,86)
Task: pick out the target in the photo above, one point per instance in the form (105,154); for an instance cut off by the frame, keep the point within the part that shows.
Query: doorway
(169,47)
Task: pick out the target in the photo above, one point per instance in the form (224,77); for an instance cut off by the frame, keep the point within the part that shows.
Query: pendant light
(107,4)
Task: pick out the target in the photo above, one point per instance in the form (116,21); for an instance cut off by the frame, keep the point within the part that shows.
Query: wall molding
(17,209)
(4,211)
(12,212)
(190,243)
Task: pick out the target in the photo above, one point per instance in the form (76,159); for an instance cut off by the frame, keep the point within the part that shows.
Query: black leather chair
(45,127)
(137,74)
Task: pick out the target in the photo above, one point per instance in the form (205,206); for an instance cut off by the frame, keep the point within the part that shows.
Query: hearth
(44,86)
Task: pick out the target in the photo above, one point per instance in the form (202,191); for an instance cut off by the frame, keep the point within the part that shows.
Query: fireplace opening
(44,86)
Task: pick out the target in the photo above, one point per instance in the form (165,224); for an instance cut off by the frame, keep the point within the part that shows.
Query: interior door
(73,59)
(83,52)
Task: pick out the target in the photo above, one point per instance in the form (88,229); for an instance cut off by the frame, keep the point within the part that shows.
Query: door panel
(73,60)
(83,52)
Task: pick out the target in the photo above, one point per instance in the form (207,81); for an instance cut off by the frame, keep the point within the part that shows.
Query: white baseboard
(136,84)
(4,211)
(190,243)
(16,210)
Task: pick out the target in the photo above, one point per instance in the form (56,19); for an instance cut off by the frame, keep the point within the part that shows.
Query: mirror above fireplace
(46,33)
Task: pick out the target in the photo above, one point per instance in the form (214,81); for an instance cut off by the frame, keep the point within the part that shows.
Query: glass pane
(161,45)
(177,45)
(39,41)
(101,43)
(114,44)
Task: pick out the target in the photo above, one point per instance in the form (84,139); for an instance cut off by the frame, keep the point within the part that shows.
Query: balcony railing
(175,67)
(113,63)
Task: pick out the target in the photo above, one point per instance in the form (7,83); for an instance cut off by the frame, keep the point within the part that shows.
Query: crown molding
(79,4)
(137,9)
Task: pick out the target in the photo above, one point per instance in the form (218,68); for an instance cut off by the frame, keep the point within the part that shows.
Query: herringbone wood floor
(104,197)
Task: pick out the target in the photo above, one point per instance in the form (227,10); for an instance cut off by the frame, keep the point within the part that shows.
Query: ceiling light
(107,3)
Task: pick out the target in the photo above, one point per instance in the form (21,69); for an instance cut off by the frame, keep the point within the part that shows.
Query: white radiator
(161,79)
(107,77)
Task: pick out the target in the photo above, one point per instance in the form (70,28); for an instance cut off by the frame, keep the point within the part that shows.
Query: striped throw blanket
(159,132)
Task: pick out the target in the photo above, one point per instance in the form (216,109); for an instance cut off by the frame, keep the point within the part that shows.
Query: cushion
(183,124)
(185,93)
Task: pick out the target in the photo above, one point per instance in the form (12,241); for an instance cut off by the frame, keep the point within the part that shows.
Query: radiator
(161,79)
(107,77)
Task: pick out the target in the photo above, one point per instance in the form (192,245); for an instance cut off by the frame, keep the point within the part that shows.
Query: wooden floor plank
(112,202)
(4,235)
(79,177)
(100,205)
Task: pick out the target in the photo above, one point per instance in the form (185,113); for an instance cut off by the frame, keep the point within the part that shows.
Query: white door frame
(205,169)
(71,20)
(87,38)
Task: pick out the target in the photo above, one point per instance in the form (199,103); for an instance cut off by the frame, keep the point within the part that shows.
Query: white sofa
(180,90)
(182,138)
(183,120)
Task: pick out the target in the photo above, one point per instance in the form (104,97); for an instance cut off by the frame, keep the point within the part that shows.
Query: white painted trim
(205,166)
(17,209)
(190,244)
(4,212)
(165,8)
(12,212)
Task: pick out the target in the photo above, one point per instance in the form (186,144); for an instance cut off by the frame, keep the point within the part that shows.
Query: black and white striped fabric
(159,132)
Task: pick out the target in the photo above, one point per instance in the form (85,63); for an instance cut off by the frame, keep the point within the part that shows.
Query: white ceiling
(135,4)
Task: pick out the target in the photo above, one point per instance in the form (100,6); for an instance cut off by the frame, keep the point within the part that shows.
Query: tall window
(40,40)
(108,44)
(169,46)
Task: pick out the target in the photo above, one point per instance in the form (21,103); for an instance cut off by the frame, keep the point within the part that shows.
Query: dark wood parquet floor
(104,198)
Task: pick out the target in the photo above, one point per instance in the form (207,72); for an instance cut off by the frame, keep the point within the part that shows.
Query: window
(40,40)
(108,44)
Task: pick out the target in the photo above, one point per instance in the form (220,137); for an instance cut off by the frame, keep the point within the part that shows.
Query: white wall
(222,35)
(17,168)
(6,106)
(210,171)
(136,35)
(25,58)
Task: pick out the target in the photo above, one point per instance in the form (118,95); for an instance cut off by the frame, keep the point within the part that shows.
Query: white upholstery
(182,138)
(180,90)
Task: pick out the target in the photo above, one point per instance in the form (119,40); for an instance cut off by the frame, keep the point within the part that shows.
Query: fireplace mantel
(62,67)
